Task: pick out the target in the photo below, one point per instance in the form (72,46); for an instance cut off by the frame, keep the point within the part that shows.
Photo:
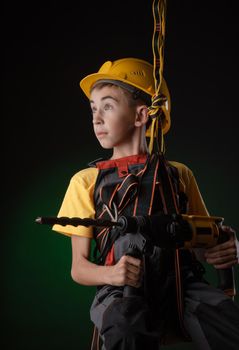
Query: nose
(97,118)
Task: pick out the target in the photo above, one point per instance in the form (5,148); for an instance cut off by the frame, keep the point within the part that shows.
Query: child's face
(113,117)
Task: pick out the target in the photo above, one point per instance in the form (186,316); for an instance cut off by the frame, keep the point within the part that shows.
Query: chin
(106,145)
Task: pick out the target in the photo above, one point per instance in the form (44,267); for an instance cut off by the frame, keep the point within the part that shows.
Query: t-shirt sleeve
(196,205)
(189,186)
(78,202)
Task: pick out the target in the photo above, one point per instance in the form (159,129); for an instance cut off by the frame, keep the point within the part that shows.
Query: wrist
(106,275)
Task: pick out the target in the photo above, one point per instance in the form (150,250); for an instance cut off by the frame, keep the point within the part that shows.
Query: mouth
(101,134)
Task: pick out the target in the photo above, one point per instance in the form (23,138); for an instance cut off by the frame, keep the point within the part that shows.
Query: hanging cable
(158,99)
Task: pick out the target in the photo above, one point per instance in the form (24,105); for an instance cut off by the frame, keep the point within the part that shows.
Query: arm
(128,270)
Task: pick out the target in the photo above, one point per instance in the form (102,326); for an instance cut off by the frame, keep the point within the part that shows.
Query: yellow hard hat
(135,72)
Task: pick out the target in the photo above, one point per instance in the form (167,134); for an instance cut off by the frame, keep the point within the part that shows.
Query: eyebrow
(105,97)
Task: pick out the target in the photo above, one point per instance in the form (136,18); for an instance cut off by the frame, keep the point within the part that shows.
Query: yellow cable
(155,110)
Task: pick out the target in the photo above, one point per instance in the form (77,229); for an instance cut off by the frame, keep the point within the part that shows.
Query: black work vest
(136,185)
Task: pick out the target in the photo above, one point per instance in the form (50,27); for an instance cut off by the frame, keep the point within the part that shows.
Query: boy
(130,183)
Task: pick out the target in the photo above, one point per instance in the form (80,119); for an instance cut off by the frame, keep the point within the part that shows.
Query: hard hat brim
(87,83)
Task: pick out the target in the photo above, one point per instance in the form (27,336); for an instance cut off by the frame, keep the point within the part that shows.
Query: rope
(158,99)
(156,113)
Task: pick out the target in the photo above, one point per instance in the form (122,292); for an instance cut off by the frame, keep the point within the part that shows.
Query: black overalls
(175,303)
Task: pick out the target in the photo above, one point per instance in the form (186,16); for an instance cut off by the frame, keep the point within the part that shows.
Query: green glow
(44,308)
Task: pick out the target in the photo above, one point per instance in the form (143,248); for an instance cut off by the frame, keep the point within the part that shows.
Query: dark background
(47,137)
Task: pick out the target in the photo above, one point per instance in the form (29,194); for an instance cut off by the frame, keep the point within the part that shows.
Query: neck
(139,146)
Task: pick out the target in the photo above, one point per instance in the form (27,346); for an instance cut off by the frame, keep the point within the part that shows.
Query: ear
(141,115)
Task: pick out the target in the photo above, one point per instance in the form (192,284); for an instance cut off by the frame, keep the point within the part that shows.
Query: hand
(128,270)
(223,255)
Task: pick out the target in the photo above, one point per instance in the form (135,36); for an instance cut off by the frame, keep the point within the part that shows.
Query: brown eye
(107,107)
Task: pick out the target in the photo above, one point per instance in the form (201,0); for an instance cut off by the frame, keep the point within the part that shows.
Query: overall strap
(167,188)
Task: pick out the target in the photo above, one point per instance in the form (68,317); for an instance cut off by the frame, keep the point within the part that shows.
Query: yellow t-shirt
(78,200)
